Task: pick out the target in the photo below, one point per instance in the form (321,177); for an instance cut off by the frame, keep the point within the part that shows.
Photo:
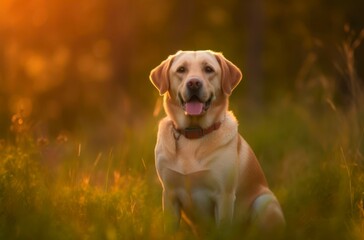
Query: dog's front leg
(171,212)
(267,214)
(224,209)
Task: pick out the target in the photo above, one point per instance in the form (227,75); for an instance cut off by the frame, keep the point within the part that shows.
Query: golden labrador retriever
(208,171)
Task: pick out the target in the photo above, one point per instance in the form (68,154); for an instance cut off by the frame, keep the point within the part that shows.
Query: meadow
(310,148)
(79,117)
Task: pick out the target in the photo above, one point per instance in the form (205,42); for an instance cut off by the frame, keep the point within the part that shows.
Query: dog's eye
(181,69)
(209,69)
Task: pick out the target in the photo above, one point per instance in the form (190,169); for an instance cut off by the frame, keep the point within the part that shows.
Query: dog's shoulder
(165,137)
(230,125)
(165,124)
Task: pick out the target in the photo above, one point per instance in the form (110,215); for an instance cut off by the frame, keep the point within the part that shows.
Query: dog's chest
(197,161)
(191,156)
(197,173)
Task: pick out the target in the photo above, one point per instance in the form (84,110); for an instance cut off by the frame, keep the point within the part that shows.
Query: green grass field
(312,156)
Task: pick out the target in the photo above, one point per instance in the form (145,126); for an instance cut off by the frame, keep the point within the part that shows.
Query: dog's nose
(194,84)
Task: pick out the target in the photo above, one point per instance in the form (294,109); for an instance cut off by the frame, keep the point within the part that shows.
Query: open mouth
(194,106)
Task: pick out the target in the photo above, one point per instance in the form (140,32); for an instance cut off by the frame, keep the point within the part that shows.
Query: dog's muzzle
(193,103)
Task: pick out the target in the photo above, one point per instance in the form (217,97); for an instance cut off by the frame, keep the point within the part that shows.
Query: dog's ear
(230,74)
(159,75)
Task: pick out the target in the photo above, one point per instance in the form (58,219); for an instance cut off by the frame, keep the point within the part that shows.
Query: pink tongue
(194,108)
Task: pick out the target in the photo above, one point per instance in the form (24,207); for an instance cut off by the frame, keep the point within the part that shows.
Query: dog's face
(195,80)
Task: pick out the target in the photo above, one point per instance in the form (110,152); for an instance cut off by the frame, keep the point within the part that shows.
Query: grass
(310,148)
(314,166)
(68,203)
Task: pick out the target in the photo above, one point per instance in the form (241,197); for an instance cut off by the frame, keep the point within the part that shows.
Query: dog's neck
(195,132)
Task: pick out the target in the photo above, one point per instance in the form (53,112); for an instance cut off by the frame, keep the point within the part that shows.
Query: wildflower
(42,141)
(62,138)
(18,123)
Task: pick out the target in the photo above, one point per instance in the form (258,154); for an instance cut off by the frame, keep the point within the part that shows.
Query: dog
(209,173)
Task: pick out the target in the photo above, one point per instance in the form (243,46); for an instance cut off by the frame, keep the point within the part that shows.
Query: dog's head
(195,80)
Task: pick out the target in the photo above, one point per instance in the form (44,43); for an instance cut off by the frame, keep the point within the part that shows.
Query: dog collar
(196,132)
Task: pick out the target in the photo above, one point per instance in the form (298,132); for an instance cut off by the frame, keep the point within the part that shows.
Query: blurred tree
(255,34)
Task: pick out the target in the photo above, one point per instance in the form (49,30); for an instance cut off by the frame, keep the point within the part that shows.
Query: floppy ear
(159,75)
(230,74)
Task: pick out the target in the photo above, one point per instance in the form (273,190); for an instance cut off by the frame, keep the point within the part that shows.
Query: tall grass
(309,144)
